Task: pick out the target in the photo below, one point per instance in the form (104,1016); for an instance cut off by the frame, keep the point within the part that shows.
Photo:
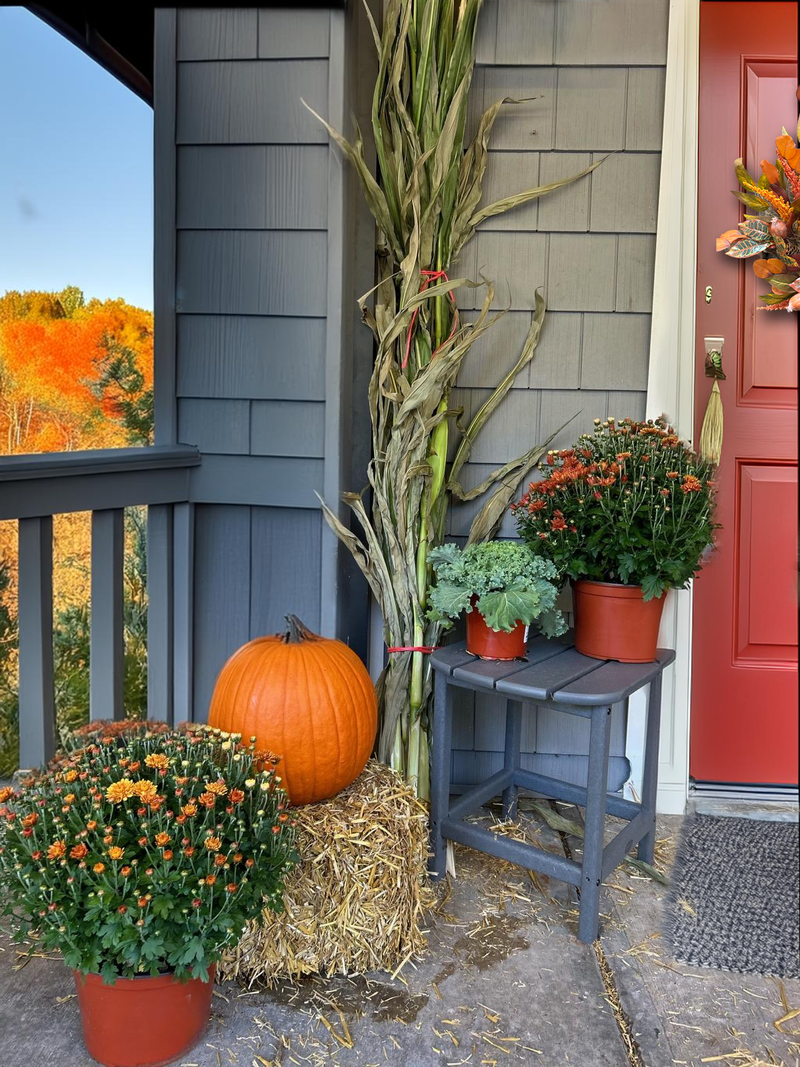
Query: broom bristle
(711,433)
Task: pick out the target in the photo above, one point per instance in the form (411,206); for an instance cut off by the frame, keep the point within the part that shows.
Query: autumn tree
(74,374)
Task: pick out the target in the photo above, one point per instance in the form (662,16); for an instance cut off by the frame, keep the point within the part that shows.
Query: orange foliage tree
(52,364)
(73,375)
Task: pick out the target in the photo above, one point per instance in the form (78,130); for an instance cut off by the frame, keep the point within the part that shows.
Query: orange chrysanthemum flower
(211,879)
(91,825)
(121,790)
(163,839)
(145,790)
(77,852)
(189,809)
(167,853)
(125,871)
(236,796)
(116,853)
(208,800)
(213,844)
(231,887)
(691,484)
(219,860)
(157,759)
(219,787)
(70,776)
(6,793)
(30,820)
(99,868)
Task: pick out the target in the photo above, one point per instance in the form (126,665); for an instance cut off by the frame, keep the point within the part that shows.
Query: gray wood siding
(590,76)
(261,337)
(265,245)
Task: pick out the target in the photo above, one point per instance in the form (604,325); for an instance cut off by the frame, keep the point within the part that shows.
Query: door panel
(766,608)
(744,664)
(769,348)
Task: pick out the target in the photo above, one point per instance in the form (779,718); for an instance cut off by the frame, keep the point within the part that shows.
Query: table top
(553,670)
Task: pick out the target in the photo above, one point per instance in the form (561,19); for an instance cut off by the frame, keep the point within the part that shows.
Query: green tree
(9,705)
(121,385)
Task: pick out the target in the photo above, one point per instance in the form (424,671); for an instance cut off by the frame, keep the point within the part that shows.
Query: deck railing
(35,488)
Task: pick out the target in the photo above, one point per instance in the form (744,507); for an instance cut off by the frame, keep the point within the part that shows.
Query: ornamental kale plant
(146,852)
(630,503)
(503,580)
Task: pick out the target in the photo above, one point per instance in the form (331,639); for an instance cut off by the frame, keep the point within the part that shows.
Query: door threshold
(767,802)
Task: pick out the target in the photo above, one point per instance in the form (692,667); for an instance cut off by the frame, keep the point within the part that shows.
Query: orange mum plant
(772,233)
(146,852)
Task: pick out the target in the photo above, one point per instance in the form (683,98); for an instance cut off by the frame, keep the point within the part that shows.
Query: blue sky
(76,169)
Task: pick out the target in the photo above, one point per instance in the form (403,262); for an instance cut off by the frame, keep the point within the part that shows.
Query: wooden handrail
(97,461)
(33,488)
(58,482)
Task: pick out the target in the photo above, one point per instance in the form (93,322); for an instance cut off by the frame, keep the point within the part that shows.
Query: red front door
(744,713)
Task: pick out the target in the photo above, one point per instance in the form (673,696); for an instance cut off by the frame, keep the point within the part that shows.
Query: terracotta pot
(613,621)
(486,643)
(143,1021)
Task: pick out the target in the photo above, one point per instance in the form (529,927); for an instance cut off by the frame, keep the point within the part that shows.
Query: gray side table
(553,674)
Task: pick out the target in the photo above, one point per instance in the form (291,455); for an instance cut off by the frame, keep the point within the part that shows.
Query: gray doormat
(733,900)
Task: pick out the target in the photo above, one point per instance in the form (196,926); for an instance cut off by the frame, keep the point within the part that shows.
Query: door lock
(709,294)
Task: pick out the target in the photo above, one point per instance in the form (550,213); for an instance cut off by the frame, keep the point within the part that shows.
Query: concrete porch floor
(505,982)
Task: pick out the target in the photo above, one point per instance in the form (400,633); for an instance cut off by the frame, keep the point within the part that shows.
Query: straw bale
(355,901)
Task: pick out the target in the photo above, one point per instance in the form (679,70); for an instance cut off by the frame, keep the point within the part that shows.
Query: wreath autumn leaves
(773,233)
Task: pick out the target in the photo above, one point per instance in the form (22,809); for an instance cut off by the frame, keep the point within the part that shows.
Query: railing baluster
(160,615)
(183,610)
(107,652)
(36,694)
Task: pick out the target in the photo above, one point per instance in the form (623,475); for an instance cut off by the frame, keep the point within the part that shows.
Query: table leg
(650,775)
(596,789)
(440,772)
(513,739)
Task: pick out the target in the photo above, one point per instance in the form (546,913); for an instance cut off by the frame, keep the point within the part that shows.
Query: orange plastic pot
(614,622)
(144,1021)
(487,643)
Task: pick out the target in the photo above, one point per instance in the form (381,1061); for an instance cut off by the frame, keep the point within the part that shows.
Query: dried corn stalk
(427,205)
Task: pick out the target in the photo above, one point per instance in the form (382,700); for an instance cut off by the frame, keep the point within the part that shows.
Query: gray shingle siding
(261,213)
(592,78)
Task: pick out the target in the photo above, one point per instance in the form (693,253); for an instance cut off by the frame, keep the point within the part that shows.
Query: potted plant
(503,587)
(626,514)
(140,858)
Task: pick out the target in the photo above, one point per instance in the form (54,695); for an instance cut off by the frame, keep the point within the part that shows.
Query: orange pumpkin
(309,699)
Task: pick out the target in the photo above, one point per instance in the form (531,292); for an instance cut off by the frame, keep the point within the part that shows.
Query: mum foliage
(773,233)
(509,582)
(630,503)
(145,852)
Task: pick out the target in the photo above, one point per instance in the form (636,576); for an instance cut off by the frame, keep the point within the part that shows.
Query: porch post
(670,384)
(37,713)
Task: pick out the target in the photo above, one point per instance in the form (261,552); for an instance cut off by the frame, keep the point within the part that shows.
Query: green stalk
(437,459)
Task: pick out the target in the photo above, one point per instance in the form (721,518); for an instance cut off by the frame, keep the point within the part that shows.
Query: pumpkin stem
(297,631)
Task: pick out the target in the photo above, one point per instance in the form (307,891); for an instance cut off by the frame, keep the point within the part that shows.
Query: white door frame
(670,382)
